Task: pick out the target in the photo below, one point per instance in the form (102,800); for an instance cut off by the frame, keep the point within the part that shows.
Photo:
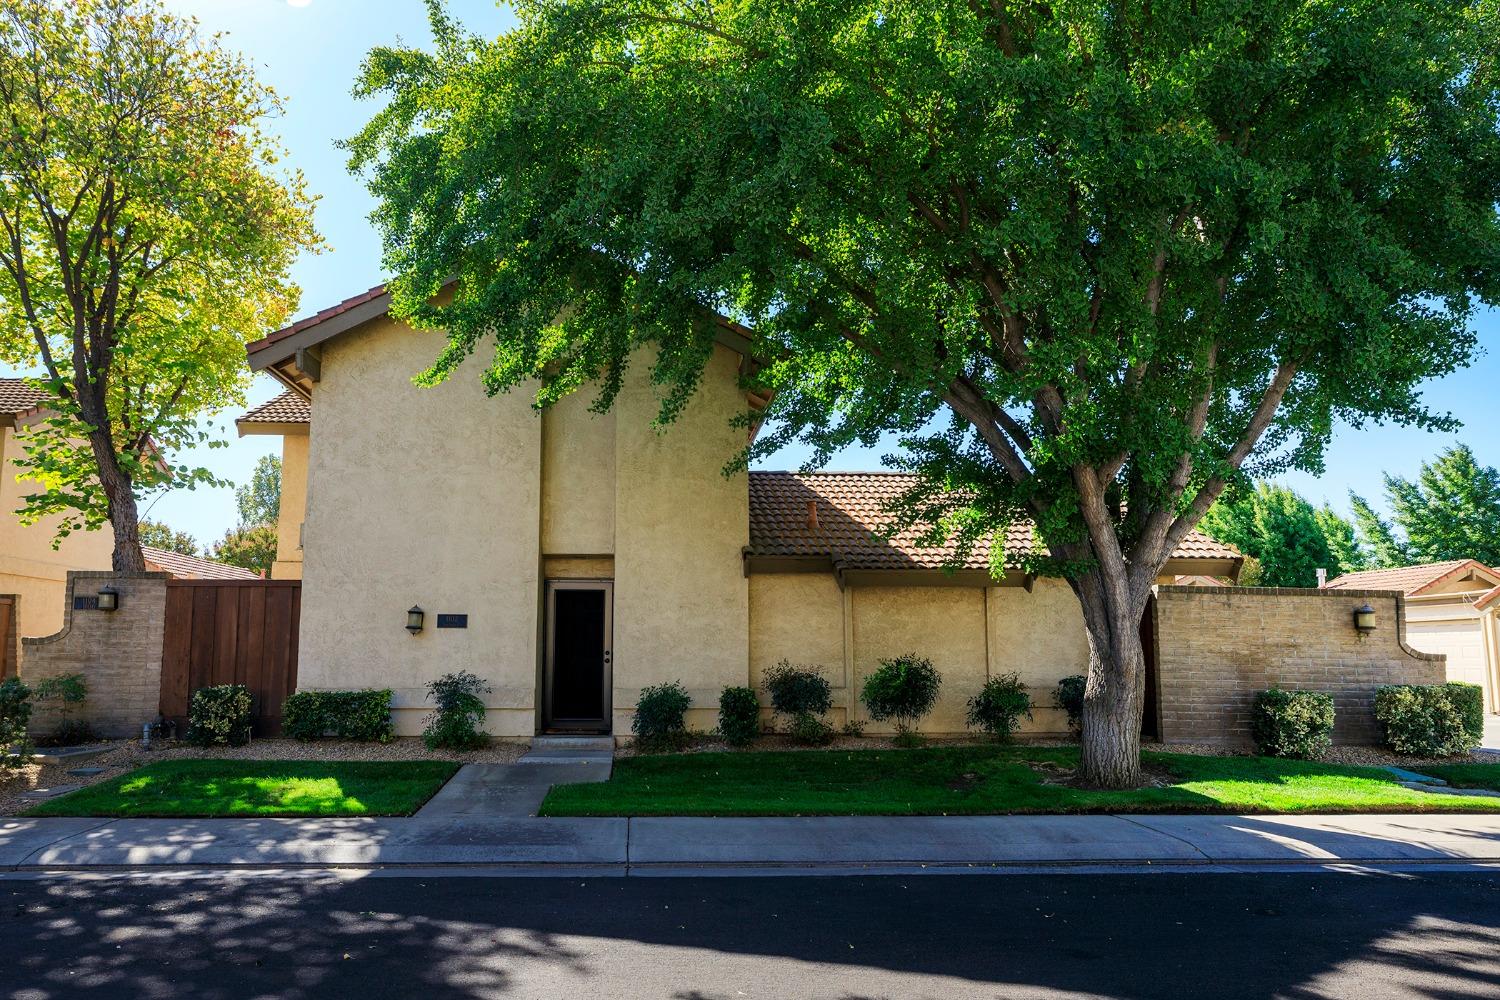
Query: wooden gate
(8,640)
(231,632)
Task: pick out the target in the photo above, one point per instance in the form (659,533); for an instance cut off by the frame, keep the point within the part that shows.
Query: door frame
(549,622)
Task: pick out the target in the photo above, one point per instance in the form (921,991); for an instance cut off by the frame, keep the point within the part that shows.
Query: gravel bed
(127,755)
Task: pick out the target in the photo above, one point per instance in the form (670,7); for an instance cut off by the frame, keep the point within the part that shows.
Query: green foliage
(15,713)
(458,711)
(66,692)
(1287,536)
(739,716)
(902,690)
(164,536)
(999,705)
(253,548)
(363,716)
(810,730)
(797,690)
(1450,511)
(147,235)
(1424,720)
(1069,697)
(259,500)
(1468,700)
(660,721)
(1292,723)
(219,715)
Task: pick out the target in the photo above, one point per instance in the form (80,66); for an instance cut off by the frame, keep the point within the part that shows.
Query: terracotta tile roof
(18,397)
(1487,598)
(318,317)
(1407,579)
(287,408)
(851,506)
(192,567)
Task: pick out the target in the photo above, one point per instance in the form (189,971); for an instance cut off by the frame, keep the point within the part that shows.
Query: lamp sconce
(1364,619)
(109,599)
(414,619)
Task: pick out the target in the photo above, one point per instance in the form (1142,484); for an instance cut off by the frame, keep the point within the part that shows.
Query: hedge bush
(810,730)
(219,715)
(1469,700)
(739,716)
(457,713)
(362,716)
(660,721)
(1292,723)
(1425,720)
(797,690)
(902,690)
(1069,698)
(15,713)
(999,705)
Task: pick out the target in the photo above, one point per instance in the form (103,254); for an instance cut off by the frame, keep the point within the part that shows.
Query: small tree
(259,500)
(252,548)
(1090,263)
(143,240)
(164,536)
(902,690)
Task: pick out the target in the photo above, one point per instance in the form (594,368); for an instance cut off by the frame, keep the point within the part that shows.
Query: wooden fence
(231,632)
(9,653)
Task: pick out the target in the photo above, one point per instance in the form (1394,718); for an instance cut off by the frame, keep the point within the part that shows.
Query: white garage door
(1461,642)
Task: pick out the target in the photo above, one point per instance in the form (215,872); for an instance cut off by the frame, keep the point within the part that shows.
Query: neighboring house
(570,558)
(29,566)
(1452,608)
(184,567)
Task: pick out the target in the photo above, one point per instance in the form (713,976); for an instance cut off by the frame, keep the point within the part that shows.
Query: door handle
(607,654)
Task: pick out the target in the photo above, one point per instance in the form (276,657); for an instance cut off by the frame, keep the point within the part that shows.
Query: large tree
(1090,261)
(1288,537)
(145,235)
(1450,511)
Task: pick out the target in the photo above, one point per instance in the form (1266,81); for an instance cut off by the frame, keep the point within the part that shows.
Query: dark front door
(578,656)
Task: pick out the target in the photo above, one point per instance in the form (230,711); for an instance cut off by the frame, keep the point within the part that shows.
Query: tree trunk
(1115,695)
(124,517)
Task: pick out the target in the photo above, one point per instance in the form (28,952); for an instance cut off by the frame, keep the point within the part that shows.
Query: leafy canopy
(146,233)
(1086,259)
(1450,511)
(259,500)
(252,547)
(1288,537)
(163,536)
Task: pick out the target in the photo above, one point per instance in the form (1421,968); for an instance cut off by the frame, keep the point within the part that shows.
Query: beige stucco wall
(29,566)
(681,597)
(424,497)
(288,564)
(578,478)
(970,633)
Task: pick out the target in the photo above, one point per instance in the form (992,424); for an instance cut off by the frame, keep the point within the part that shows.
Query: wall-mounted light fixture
(109,599)
(1364,619)
(414,619)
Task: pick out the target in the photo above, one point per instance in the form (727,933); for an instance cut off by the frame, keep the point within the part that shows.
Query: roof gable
(184,567)
(1423,578)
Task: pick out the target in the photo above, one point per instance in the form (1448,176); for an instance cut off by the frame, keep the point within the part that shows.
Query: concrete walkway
(514,791)
(829,843)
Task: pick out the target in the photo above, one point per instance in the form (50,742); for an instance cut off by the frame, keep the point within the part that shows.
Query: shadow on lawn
(704,939)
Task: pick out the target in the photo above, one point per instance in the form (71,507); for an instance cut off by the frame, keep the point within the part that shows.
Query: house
(30,567)
(570,558)
(1452,607)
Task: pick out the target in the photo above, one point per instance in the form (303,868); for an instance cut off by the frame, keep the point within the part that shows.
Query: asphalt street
(1367,935)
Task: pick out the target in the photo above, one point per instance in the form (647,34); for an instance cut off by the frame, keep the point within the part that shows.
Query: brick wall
(118,652)
(1218,646)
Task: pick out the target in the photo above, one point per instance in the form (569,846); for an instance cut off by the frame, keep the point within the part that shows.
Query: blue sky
(310,50)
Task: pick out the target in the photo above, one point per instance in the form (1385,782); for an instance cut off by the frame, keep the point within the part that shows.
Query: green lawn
(980,780)
(1465,775)
(259,788)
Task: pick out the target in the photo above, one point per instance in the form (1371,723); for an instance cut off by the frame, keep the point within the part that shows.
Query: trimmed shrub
(1468,699)
(67,692)
(219,715)
(1069,698)
(999,705)
(361,716)
(810,730)
(739,716)
(458,711)
(902,690)
(797,690)
(15,713)
(1292,723)
(1423,720)
(660,721)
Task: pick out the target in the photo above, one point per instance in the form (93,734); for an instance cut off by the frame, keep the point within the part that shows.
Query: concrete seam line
(1172,836)
(67,836)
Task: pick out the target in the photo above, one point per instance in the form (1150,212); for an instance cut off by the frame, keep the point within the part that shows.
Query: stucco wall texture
(1218,646)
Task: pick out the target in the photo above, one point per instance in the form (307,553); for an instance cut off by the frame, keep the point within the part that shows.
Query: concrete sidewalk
(807,843)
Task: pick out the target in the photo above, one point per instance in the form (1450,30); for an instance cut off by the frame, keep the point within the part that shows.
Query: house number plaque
(453,621)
